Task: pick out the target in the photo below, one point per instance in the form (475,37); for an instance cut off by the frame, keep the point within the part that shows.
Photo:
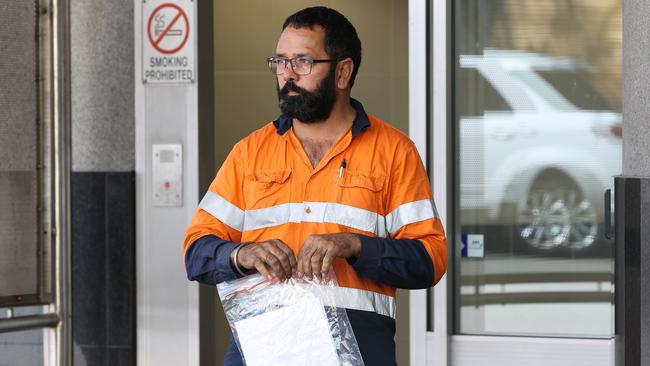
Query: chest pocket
(361,189)
(267,188)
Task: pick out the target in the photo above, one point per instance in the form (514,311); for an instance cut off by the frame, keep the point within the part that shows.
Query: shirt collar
(360,123)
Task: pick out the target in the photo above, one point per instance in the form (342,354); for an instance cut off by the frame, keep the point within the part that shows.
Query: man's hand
(319,251)
(271,258)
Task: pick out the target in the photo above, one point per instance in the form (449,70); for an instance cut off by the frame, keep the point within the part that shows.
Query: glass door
(33,213)
(536,136)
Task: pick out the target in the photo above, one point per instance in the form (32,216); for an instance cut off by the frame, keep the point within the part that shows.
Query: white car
(538,147)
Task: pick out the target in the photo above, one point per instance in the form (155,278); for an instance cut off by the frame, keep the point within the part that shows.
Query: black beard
(308,107)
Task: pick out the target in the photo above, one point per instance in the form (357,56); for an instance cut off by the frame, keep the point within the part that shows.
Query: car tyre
(554,214)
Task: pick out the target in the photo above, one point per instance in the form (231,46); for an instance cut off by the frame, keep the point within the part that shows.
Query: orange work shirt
(371,182)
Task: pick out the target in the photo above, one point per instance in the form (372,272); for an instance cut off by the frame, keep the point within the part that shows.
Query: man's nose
(288,73)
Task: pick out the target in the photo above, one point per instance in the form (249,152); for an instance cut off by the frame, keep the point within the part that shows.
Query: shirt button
(308,210)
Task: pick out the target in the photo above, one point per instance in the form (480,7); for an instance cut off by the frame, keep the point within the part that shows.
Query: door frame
(428,101)
(418,133)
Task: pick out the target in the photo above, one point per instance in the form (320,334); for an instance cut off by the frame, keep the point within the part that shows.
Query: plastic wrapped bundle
(293,322)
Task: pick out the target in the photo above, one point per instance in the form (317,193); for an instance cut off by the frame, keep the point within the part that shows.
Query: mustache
(291,86)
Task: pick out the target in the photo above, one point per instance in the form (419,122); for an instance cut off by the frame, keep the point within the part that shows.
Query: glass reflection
(26,347)
(538,136)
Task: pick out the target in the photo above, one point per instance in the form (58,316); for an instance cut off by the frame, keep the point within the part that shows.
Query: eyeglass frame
(293,65)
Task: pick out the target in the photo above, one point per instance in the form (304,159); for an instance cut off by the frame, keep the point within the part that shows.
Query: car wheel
(555,214)
(543,221)
(584,224)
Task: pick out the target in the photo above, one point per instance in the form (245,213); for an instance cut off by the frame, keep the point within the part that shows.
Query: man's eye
(279,61)
(303,61)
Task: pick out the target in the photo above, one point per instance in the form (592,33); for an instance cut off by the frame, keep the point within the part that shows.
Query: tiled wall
(103,268)
(632,225)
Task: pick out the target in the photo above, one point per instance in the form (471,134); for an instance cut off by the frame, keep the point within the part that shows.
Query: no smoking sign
(168,41)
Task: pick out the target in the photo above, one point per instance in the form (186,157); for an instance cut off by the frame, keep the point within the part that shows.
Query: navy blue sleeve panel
(208,260)
(402,263)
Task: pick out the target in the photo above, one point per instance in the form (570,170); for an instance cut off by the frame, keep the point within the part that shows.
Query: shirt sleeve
(414,255)
(215,229)
(207,260)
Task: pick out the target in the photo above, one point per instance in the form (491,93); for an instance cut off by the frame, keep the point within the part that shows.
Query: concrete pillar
(102,182)
(633,193)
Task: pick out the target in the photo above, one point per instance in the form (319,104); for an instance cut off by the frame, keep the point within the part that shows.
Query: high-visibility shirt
(371,183)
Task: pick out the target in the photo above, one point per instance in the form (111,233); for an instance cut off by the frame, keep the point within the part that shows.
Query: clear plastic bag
(293,322)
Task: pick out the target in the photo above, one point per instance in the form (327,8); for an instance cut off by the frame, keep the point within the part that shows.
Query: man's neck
(331,129)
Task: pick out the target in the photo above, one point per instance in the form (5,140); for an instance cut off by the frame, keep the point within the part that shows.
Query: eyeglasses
(300,65)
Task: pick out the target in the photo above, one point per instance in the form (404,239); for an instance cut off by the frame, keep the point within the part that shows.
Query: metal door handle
(608,214)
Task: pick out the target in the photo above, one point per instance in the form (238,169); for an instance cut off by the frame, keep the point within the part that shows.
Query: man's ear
(344,70)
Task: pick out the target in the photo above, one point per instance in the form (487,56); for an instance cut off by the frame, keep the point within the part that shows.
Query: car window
(483,96)
(576,87)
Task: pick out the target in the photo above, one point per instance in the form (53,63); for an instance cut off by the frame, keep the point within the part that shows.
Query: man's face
(308,98)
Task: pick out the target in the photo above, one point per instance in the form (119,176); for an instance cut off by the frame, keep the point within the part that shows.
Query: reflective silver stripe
(341,297)
(321,212)
(223,210)
(410,213)
(352,298)
(325,212)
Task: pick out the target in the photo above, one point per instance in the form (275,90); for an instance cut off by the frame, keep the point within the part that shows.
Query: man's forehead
(301,41)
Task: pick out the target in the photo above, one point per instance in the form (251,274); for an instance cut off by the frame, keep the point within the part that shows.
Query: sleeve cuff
(223,261)
(370,256)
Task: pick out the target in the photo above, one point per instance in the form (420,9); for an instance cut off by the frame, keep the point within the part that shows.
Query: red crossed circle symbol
(156,42)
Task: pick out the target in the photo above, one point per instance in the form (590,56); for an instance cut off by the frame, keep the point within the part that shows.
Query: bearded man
(325,186)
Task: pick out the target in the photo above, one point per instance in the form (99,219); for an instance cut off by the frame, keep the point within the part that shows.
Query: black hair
(341,39)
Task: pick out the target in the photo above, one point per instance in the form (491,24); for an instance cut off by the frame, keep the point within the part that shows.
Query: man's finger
(304,266)
(260,266)
(274,265)
(316,263)
(288,252)
(292,257)
(282,258)
(299,261)
(327,263)
(304,255)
